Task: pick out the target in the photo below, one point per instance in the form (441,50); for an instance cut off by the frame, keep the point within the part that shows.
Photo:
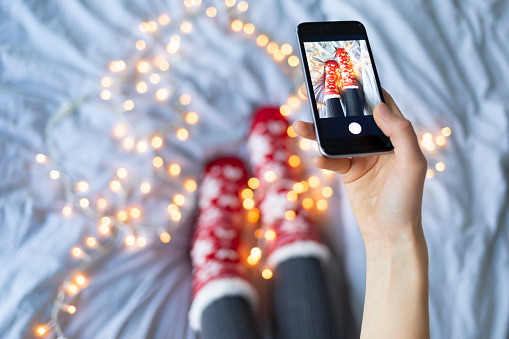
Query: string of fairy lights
(147,74)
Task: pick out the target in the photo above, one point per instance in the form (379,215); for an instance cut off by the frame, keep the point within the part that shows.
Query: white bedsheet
(445,62)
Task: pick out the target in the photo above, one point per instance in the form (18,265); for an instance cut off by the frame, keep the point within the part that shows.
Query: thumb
(400,131)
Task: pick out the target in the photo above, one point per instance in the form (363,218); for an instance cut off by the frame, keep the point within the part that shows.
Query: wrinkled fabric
(443,61)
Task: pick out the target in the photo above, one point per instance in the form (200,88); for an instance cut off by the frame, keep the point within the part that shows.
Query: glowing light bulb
(175,216)
(446,131)
(67,210)
(278,55)
(162,94)
(321,205)
(262,40)
(270,235)
(293,102)
(249,28)
(314,181)
(115,185)
(440,166)
(259,233)
(143,66)
(151,26)
(285,110)
(211,12)
(191,118)
(230,3)
(142,146)
(80,280)
(186,27)
(307,203)
(266,274)
(248,204)
(84,202)
(165,237)
(41,330)
(272,47)
(130,240)
(54,174)
(104,229)
(179,199)
(140,45)
(298,187)
(122,216)
(294,161)
(173,46)
(430,173)
(106,221)
(252,260)
(327,192)
(91,242)
(286,49)
(141,87)
(154,77)
(253,215)
(190,185)
(163,66)
(172,208)
(253,183)
(156,142)
(135,212)
(256,252)
(269,176)
(122,173)
(40,158)
(315,145)
(427,137)
(289,215)
(119,131)
(182,134)
(237,25)
(305,144)
(106,82)
(157,162)
(105,94)
(174,169)
(145,188)
(242,6)
(128,105)
(294,61)
(440,140)
(72,289)
(164,19)
(292,196)
(143,27)
(247,193)
(76,252)
(291,133)
(82,186)
(141,241)
(71,309)
(185,99)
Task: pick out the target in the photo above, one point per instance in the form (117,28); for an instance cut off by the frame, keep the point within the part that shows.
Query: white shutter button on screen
(354,128)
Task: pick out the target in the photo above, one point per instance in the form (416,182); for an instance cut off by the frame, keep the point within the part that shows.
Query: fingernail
(384,111)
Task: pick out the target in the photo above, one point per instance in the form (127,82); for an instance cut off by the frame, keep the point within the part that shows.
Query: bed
(61,123)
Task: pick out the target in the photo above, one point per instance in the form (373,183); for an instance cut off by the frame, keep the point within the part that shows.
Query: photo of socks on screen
(343,80)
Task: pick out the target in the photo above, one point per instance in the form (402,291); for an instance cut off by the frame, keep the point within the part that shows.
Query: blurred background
(110,109)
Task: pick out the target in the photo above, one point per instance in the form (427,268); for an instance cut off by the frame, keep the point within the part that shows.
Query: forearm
(396,301)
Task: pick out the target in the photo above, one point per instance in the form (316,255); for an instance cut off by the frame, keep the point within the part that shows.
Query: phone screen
(343,82)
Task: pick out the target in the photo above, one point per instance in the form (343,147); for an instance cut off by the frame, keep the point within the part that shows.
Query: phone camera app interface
(344,86)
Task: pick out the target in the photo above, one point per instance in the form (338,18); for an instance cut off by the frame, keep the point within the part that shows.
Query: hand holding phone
(343,88)
(385,192)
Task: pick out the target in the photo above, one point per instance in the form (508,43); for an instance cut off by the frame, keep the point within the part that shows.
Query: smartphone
(343,88)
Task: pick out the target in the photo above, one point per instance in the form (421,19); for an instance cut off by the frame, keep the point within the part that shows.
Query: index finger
(305,129)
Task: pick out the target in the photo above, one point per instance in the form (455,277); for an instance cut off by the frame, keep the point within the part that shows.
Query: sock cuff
(300,248)
(217,289)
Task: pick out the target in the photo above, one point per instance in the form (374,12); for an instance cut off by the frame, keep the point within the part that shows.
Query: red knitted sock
(217,271)
(270,149)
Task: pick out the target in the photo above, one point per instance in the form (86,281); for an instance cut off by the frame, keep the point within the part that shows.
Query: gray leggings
(300,304)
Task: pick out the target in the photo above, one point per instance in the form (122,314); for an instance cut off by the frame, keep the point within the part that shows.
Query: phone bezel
(378,144)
